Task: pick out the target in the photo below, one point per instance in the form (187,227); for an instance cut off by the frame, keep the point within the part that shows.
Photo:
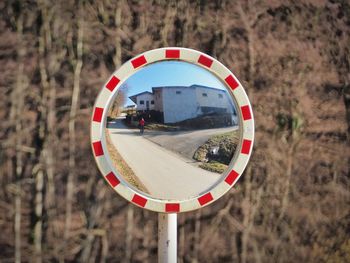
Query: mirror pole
(167,238)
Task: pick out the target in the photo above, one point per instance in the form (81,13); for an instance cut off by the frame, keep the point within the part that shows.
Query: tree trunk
(47,131)
(38,204)
(129,233)
(251,50)
(196,239)
(168,22)
(93,213)
(147,237)
(50,202)
(250,206)
(346,98)
(118,23)
(15,118)
(182,244)
(72,136)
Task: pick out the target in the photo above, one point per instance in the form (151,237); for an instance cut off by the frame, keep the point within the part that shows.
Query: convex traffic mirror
(172,130)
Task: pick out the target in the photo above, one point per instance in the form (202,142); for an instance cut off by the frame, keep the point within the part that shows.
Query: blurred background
(291,205)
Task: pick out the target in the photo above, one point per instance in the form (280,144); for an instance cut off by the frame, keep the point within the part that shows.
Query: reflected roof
(133,97)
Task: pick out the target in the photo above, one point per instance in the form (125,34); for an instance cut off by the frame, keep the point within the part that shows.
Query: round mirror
(172,130)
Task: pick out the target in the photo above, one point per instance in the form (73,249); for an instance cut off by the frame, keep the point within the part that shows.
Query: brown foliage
(291,205)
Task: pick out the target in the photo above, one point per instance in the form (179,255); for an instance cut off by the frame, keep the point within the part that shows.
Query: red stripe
(205,61)
(246,146)
(139,200)
(112,83)
(230,80)
(98,150)
(205,199)
(172,53)
(246,112)
(231,177)
(112,179)
(137,62)
(97,114)
(172,207)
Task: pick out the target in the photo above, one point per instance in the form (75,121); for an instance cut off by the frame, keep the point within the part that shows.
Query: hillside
(292,203)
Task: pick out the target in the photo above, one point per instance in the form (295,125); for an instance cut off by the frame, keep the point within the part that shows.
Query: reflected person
(142,125)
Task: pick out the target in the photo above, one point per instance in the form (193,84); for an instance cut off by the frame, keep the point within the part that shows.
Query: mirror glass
(172,130)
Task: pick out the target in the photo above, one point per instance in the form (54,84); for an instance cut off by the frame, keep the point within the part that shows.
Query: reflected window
(142,102)
(178,92)
(204,94)
(220,96)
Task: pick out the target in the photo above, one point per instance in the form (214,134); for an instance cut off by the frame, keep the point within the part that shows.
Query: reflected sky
(169,73)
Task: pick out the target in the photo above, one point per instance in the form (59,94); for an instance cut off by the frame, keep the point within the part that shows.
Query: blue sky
(169,73)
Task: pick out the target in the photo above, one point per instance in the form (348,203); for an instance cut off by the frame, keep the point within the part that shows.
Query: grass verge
(122,167)
(225,145)
(214,166)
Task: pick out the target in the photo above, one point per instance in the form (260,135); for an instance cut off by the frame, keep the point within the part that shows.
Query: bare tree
(16,113)
(78,63)
(294,60)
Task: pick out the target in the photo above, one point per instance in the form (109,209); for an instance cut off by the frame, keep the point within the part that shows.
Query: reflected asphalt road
(165,174)
(185,142)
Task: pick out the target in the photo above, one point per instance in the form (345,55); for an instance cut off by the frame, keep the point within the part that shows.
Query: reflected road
(185,142)
(165,174)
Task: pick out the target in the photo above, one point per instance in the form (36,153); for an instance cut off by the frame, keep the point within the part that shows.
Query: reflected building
(175,104)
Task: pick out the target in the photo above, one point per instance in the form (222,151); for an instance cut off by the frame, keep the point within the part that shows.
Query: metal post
(167,238)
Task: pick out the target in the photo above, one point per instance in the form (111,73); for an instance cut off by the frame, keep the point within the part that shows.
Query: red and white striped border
(109,91)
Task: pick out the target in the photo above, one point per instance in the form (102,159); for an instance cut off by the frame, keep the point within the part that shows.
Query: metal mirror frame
(106,97)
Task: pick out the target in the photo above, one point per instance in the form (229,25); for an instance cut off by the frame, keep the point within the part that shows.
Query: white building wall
(214,98)
(145,97)
(182,103)
(179,103)
(158,100)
